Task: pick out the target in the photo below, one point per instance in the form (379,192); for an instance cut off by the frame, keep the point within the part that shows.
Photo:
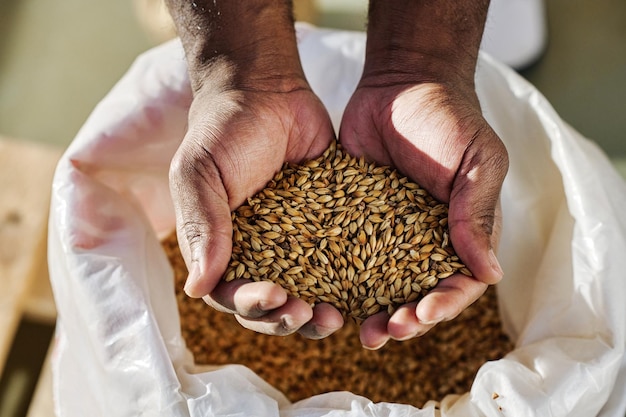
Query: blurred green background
(58,58)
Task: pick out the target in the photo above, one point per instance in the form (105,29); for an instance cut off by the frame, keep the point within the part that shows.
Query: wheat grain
(337,229)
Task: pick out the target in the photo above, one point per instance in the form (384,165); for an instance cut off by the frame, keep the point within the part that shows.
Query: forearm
(427,39)
(253,40)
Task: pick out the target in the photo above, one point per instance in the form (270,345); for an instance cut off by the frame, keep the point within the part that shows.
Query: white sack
(119,349)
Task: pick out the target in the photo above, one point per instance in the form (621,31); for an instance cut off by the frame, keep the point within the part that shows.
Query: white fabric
(119,349)
(516,31)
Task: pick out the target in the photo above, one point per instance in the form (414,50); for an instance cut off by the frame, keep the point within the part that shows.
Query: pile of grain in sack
(361,237)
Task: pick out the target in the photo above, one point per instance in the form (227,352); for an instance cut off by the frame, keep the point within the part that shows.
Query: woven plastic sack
(119,349)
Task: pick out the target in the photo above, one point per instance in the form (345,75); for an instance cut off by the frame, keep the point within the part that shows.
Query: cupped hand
(435,134)
(237,139)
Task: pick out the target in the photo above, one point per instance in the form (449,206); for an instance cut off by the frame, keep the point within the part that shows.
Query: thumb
(474,217)
(203,222)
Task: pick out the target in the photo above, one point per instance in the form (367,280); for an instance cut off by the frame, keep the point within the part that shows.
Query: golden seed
(268,254)
(437,257)
(368,303)
(335,231)
(230,275)
(271,235)
(294,270)
(362,237)
(281,263)
(264,225)
(358,263)
(372,310)
(465,271)
(321,257)
(240,270)
(265,262)
(383,301)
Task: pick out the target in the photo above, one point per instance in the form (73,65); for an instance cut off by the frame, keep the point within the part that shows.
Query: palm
(423,131)
(437,137)
(249,137)
(235,144)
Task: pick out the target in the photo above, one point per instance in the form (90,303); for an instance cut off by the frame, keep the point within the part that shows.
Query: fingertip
(268,296)
(282,321)
(193,287)
(478,256)
(436,307)
(448,299)
(403,324)
(206,269)
(249,299)
(375,345)
(430,317)
(496,270)
(328,316)
(296,313)
(374,334)
(326,321)
(485,267)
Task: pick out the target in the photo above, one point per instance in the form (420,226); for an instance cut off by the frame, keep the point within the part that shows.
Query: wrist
(423,41)
(252,42)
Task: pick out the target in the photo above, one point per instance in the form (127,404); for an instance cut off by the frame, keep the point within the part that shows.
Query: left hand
(435,134)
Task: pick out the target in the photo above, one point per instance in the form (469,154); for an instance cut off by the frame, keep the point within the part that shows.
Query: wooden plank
(26,171)
(39,304)
(42,403)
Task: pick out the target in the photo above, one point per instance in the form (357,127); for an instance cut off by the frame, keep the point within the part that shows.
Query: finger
(204,226)
(326,320)
(283,321)
(473,217)
(448,299)
(374,332)
(246,298)
(404,324)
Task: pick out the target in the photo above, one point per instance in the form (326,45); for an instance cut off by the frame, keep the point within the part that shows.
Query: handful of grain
(339,230)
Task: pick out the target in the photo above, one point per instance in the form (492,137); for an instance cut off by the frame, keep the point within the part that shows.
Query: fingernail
(287,323)
(409,336)
(192,279)
(312,332)
(437,319)
(380,344)
(495,265)
(433,321)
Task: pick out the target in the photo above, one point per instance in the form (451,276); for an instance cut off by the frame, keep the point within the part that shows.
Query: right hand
(237,139)
(435,134)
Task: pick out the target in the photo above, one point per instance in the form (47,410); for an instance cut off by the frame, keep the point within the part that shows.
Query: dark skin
(415,108)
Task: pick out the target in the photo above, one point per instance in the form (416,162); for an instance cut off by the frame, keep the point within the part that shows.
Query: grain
(342,218)
(442,362)
(364,239)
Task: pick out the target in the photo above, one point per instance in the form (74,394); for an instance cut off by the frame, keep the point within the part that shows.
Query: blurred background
(59,58)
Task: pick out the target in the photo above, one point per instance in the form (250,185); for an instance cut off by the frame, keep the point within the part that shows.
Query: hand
(236,141)
(252,111)
(436,135)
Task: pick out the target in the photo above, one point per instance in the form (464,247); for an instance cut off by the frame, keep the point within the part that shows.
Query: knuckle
(283,327)
(194,234)
(480,220)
